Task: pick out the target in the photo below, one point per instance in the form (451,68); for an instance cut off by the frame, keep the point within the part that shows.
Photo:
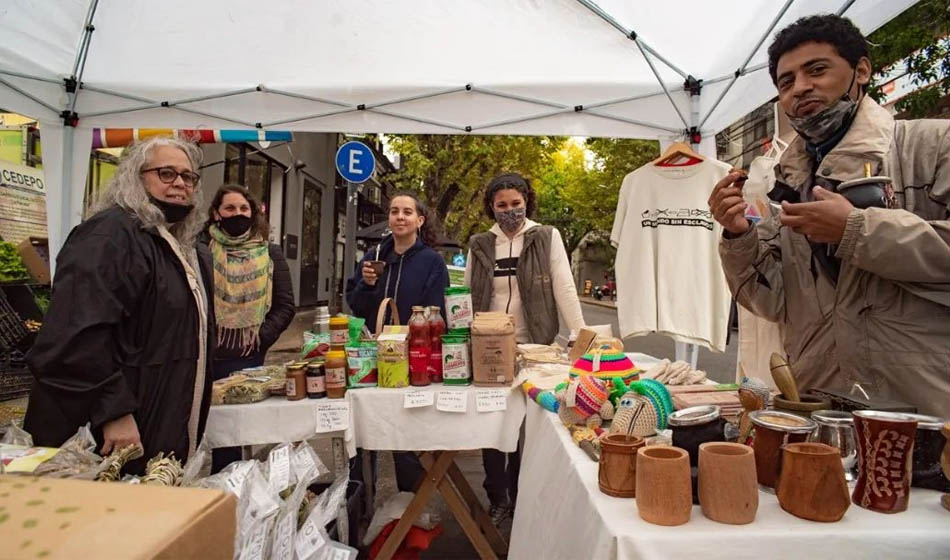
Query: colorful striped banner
(120,137)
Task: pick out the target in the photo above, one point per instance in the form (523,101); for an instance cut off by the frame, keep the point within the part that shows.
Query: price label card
(309,540)
(333,416)
(452,401)
(491,400)
(283,538)
(279,474)
(235,480)
(255,548)
(303,463)
(417,399)
(341,554)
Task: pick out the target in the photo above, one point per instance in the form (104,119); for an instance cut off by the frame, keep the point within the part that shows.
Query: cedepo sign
(21,177)
(22,202)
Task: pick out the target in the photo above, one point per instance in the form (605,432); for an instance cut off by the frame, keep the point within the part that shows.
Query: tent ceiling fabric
(529,63)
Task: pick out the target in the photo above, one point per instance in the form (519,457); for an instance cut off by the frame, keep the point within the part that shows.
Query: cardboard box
(55,518)
(493,349)
(585,339)
(35,254)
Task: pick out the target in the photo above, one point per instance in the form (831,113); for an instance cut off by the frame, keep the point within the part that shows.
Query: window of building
(246,165)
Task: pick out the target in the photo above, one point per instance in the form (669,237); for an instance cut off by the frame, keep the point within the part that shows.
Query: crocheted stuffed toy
(645,424)
(658,405)
(606,362)
(584,401)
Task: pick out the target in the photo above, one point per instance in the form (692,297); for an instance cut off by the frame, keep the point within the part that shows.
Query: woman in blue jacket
(415,274)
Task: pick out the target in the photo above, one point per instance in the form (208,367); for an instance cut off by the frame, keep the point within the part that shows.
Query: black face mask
(174,213)
(236,225)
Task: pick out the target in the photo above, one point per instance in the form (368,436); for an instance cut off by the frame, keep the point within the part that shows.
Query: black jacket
(419,273)
(120,337)
(282,308)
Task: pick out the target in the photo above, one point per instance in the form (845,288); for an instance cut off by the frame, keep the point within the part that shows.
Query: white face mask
(822,125)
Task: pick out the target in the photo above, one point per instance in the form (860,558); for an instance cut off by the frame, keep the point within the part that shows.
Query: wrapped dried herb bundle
(163,471)
(113,464)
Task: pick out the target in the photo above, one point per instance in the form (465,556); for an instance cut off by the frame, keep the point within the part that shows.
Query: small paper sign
(235,480)
(417,399)
(309,540)
(491,400)
(283,538)
(279,474)
(303,463)
(333,416)
(452,401)
(341,554)
(255,548)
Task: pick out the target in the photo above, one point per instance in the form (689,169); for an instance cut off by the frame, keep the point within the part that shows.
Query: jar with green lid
(458,307)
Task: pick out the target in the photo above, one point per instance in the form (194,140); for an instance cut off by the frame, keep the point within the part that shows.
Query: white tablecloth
(275,420)
(382,423)
(561,513)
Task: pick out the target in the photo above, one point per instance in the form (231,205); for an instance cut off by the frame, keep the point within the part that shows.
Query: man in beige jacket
(863,292)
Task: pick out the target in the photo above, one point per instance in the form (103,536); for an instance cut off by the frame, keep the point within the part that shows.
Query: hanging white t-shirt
(669,277)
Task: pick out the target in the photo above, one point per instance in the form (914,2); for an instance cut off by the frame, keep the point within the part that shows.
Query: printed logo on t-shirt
(505,267)
(686,217)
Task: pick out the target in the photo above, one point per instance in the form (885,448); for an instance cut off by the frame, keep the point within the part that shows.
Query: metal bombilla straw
(386,232)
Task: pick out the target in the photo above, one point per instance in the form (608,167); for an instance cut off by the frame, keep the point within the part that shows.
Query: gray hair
(127,189)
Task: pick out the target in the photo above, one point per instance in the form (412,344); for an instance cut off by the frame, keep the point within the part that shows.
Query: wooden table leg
(418,503)
(341,467)
(369,484)
(497,541)
(463,515)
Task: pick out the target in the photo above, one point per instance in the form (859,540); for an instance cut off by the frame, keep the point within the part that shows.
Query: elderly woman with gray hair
(125,344)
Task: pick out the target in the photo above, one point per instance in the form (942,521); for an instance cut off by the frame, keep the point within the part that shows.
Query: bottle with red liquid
(436,330)
(419,347)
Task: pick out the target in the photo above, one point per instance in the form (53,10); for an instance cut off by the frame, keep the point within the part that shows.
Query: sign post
(355,164)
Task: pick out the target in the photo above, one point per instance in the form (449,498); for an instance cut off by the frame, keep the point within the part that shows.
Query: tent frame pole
(742,68)
(630,34)
(79,65)
(662,84)
(13,74)
(31,97)
(844,7)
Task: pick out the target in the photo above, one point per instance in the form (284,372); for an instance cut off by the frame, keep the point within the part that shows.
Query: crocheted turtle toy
(658,405)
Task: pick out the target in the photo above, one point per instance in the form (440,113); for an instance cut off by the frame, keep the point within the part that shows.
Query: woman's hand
(119,433)
(369,275)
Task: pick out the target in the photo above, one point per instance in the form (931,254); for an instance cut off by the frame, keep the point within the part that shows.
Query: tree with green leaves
(450,172)
(921,34)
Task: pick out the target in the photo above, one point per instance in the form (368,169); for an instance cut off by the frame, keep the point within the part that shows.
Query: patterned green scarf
(243,285)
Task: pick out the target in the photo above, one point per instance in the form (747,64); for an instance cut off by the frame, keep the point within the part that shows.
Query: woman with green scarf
(253,294)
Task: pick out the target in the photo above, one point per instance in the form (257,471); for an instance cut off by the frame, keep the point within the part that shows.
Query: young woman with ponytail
(415,274)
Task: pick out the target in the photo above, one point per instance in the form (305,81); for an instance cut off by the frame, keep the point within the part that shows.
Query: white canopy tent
(617,68)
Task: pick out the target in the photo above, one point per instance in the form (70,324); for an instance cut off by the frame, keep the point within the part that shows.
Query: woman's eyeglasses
(168,175)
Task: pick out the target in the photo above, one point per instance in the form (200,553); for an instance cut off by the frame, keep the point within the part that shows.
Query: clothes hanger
(675,153)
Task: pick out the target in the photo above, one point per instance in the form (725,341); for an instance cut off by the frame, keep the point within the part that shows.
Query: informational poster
(22,202)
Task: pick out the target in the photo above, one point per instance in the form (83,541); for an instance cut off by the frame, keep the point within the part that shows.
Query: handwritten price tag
(341,554)
(279,461)
(333,416)
(309,540)
(283,548)
(418,399)
(452,401)
(491,400)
